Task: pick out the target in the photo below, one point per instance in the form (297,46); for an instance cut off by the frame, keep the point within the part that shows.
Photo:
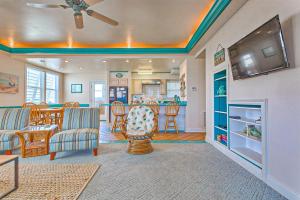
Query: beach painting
(9,83)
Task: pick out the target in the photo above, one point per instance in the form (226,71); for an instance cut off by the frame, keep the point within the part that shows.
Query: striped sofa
(12,120)
(80,131)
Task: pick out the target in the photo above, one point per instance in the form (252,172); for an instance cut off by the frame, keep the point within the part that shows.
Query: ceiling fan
(78,7)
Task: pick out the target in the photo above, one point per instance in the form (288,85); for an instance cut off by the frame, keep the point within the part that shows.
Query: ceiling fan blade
(102,17)
(40,5)
(92,2)
(78,20)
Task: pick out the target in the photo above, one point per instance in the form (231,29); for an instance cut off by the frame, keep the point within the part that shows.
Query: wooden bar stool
(171,113)
(118,110)
(155,108)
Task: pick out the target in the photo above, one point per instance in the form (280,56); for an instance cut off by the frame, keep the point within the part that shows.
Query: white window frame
(55,89)
(43,84)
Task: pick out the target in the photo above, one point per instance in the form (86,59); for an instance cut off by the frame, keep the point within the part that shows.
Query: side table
(35,139)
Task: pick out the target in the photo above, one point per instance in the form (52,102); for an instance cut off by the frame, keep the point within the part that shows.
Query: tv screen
(260,52)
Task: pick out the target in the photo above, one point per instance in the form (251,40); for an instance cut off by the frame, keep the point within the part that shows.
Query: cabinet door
(163,87)
(137,87)
(123,82)
(113,82)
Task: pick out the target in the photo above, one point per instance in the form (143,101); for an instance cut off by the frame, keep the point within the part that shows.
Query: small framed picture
(76,88)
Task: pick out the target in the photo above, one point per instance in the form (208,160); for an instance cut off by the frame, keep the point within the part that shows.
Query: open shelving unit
(220,108)
(247,130)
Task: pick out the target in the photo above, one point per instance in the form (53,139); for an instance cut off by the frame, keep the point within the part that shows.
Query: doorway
(98,96)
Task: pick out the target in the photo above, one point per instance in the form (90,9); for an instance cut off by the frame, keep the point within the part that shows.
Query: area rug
(48,181)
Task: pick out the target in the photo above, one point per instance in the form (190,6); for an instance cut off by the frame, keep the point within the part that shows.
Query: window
(173,88)
(41,86)
(51,88)
(34,90)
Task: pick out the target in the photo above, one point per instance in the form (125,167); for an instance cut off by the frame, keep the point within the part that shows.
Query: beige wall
(195,93)
(84,79)
(12,66)
(281,89)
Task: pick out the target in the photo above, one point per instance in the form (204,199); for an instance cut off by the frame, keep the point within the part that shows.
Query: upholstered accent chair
(12,120)
(138,129)
(80,131)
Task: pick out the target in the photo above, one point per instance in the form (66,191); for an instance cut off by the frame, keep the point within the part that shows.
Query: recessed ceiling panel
(142,23)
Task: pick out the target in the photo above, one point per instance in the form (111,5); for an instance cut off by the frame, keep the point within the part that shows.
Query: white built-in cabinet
(247,130)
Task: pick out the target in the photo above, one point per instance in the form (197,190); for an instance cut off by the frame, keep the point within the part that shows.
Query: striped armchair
(80,131)
(12,120)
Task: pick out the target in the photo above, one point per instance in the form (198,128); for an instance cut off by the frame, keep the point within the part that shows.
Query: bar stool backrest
(154,106)
(172,108)
(117,108)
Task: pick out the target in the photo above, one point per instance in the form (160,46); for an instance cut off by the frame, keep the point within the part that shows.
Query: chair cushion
(138,137)
(7,135)
(140,119)
(79,118)
(135,132)
(75,135)
(14,118)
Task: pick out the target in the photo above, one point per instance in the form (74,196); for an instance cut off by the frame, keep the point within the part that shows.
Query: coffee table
(35,139)
(5,160)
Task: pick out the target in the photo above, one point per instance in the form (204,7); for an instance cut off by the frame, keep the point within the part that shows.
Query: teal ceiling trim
(5,48)
(216,10)
(99,50)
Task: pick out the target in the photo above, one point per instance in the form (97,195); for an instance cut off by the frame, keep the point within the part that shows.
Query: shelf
(245,121)
(244,135)
(219,96)
(221,78)
(249,155)
(245,108)
(221,112)
(220,128)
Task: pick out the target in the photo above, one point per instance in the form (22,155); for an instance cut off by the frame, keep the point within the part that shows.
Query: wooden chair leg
(175,124)
(8,152)
(167,124)
(95,151)
(115,124)
(52,155)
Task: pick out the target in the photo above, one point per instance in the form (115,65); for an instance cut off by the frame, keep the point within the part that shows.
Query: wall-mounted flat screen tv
(260,52)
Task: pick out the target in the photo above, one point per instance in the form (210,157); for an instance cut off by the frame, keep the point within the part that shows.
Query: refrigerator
(117,93)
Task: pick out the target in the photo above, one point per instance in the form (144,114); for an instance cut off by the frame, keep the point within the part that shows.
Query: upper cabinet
(118,79)
(137,87)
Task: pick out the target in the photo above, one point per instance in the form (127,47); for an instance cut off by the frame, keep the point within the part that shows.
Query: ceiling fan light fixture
(78,20)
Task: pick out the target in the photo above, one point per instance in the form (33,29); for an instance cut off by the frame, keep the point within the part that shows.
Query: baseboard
(195,130)
(276,185)
(269,180)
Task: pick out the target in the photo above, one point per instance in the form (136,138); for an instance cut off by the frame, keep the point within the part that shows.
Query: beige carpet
(48,181)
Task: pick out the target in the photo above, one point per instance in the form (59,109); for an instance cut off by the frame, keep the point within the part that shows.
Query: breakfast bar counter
(162,118)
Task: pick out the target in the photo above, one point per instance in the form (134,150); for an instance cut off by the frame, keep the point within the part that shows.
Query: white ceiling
(152,22)
(91,64)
